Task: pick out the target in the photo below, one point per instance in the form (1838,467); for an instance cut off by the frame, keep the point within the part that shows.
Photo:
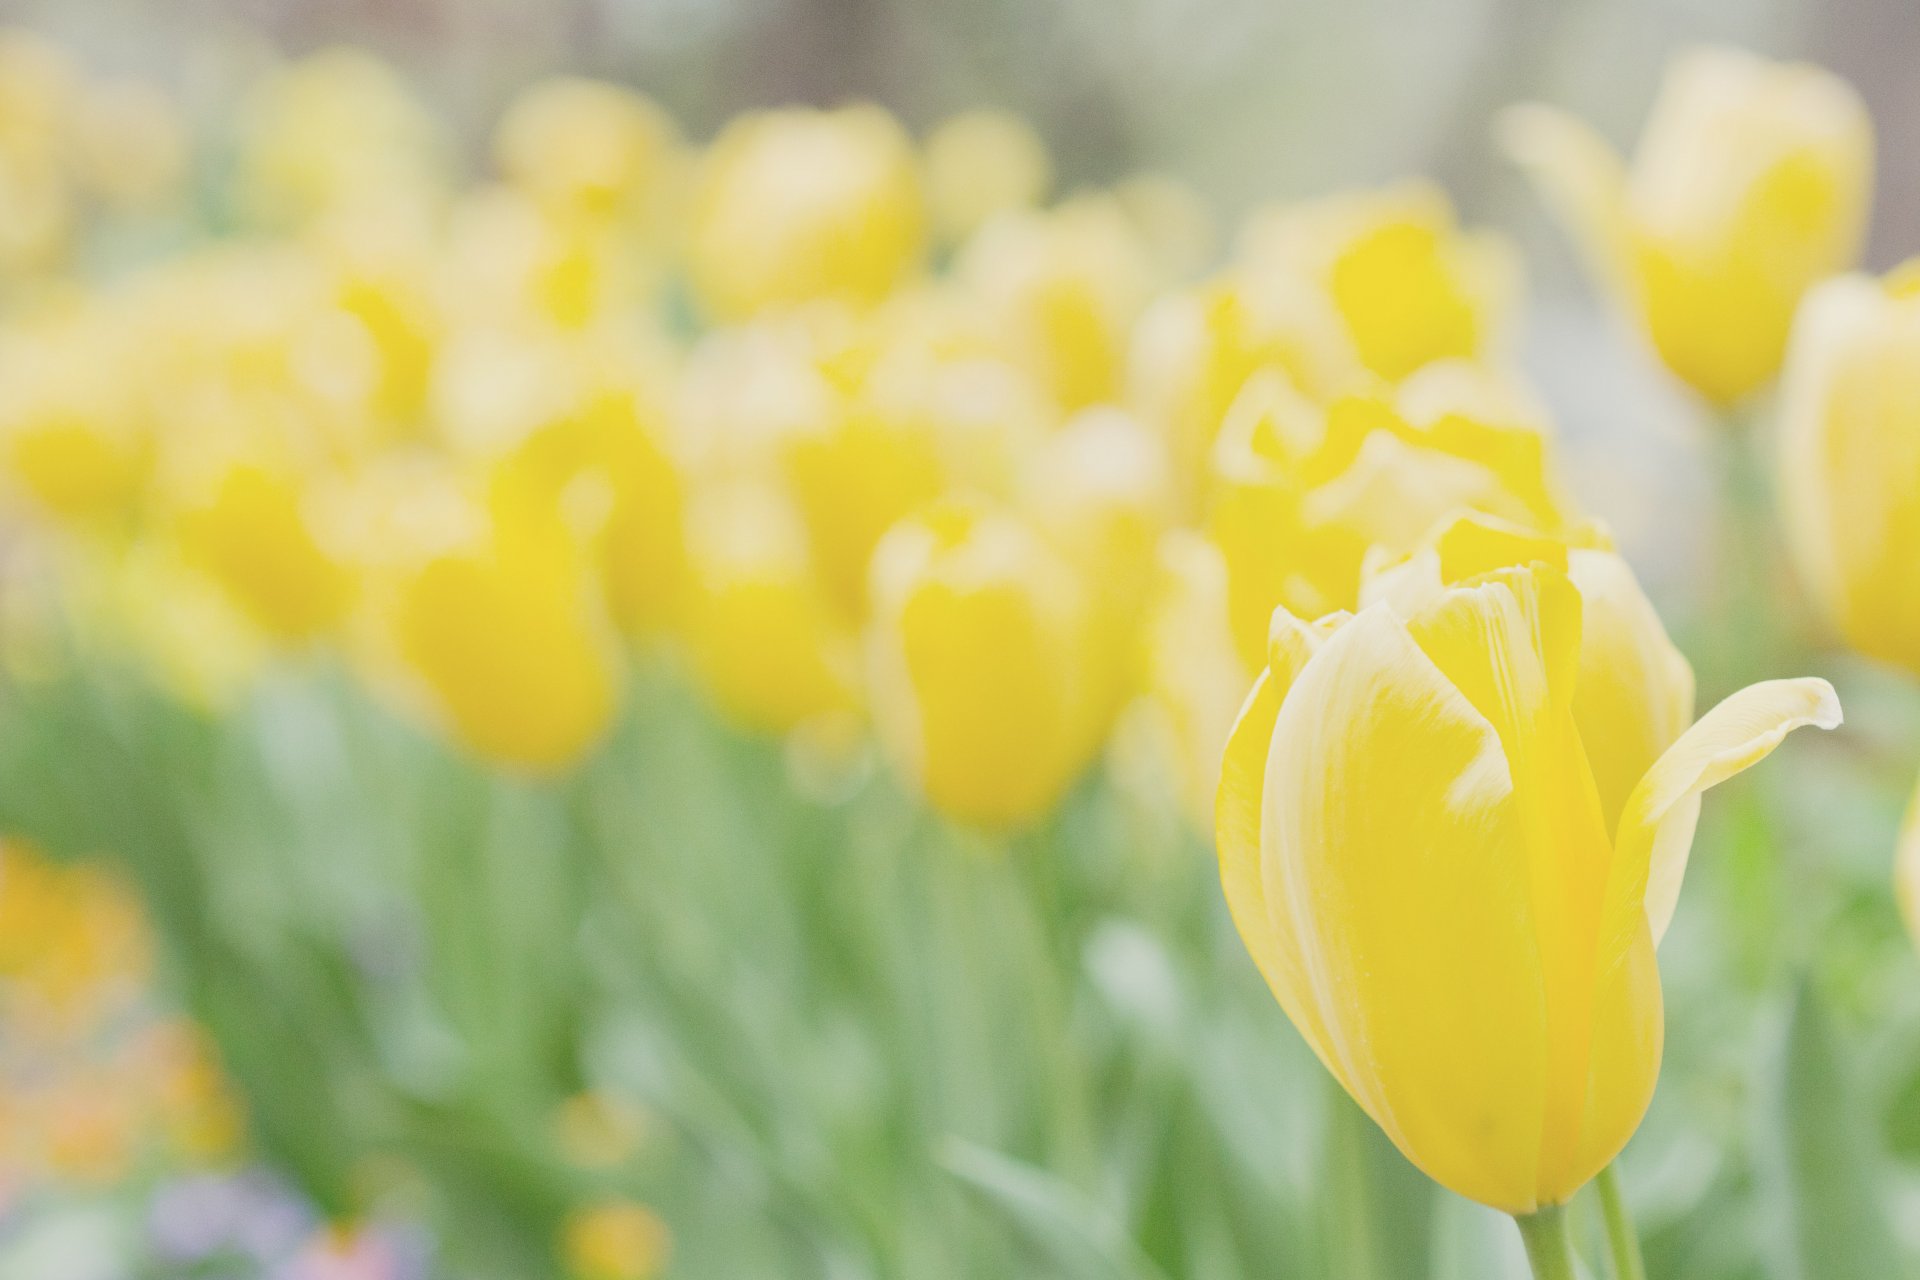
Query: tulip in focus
(1417,852)
(1751,182)
(984,643)
(1850,459)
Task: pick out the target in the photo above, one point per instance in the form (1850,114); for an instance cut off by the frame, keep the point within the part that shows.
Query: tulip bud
(1850,452)
(1752,181)
(1416,853)
(982,644)
(796,205)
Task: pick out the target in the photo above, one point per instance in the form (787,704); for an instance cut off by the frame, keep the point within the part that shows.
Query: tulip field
(613,701)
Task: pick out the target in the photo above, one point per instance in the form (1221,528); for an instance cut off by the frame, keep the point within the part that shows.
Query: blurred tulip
(1305,493)
(615,1240)
(796,205)
(1850,459)
(1752,182)
(495,614)
(762,635)
(1194,673)
(582,148)
(254,531)
(982,163)
(1410,286)
(1193,352)
(1417,856)
(984,647)
(130,145)
(1062,290)
(70,438)
(339,125)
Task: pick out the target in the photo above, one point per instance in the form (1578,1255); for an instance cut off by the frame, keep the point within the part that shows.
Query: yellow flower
(614,1240)
(1062,290)
(337,126)
(1752,182)
(584,148)
(985,650)
(982,163)
(1409,285)
(130,144)
(1634,692)
(1850,459)
(761,632)
(69,437)
(798,205)
(1194,673)
(1416,853)
(253,530)
(1193,352)
(494,612)
(1305,493)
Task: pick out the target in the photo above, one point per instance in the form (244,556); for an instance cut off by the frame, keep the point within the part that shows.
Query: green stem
(1549,1244)
(1622,1243)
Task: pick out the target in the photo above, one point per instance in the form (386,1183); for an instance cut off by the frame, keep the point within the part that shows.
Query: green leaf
(1081,1241)
(1819,1163)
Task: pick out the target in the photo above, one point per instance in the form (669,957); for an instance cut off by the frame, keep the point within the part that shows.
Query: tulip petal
(1656,829)
(1396,880)
(1635,693)
(1581,178)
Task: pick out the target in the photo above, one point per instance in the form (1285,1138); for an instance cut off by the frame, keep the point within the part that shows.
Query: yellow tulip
(130,144)
(496,618)
(70,439)
(1850,459)
(1410,286)
(982,163)
(761,632)
(1305,492)
(1062,289)
(584,148)
(1634,693)
(982,646)
(1416,852)
(793,206)
(1752,181)
(253,529)
(336,126)
(1195,677)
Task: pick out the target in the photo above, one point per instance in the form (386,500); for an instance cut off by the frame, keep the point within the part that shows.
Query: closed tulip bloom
(1751,182)
(1850,459)
(980,645)
(1418,856)
(793,206)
